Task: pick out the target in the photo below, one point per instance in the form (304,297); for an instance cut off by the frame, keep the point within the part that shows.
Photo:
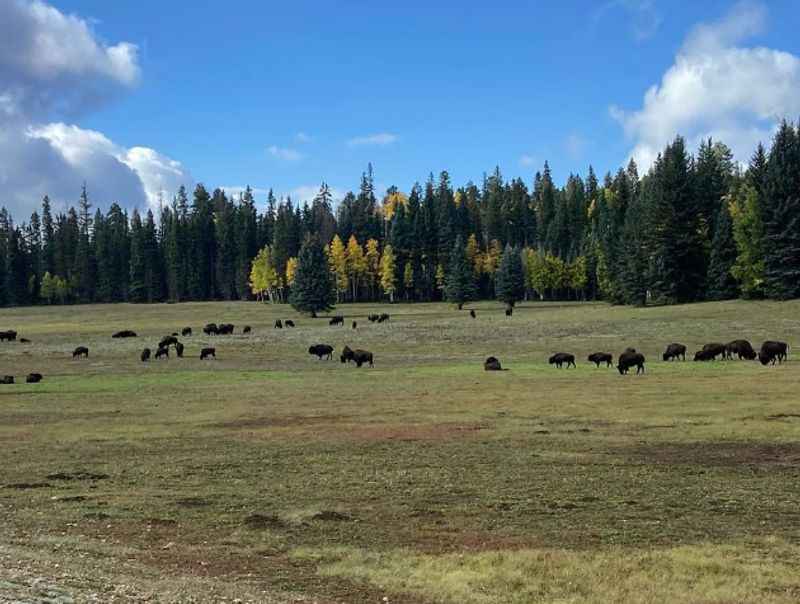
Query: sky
(136,98)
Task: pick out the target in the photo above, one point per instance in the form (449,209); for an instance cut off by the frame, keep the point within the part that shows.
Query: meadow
(270,476)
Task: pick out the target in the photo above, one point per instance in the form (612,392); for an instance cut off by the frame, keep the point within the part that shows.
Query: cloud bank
(717,88)
(53,68)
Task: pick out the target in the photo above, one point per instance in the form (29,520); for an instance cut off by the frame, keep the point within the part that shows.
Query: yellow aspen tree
(492,258)
(373,264)
(356,265)
(263,276)
(291,269)
(391,201)
(408,278)
(337,259)
(473,251)
(388,268)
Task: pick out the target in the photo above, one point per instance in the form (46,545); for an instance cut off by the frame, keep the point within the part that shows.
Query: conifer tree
(312,290)
(510,278)
(459,283)
(721,282)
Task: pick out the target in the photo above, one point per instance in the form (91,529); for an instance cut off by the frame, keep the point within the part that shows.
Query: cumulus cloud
(380,139)
(717,88)
(285,153)
(52,66)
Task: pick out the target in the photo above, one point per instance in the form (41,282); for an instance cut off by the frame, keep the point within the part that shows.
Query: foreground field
(269,476)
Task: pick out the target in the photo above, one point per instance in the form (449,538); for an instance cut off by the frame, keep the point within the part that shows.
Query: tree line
(695,227)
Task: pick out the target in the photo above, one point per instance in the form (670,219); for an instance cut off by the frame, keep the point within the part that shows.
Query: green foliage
(510,278)
(459,282)
(312,290)
(748,233)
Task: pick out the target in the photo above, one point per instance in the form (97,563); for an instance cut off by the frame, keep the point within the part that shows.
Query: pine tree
(459,283)
(721,282)
(312,290)
(84,262)
(48,238)
(137,288)
(510,278)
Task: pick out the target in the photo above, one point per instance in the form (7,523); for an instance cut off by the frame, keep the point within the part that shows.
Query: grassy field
(270,476)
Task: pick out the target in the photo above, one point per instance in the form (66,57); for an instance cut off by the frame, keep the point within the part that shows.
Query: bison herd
(770,353)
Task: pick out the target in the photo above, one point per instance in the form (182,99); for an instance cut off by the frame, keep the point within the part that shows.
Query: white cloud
(302,137)
(53,66)
(643,15)
(234,191)
(307,193)
(285,153)
(528,161)
(380,139)
(717,88)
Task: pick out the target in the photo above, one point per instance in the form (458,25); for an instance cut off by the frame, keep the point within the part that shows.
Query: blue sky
(284,95)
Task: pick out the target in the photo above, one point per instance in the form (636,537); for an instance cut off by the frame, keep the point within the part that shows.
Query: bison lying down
(34,378)
(492,364)
(125,333)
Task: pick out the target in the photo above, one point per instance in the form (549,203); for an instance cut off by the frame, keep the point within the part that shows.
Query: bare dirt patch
(719,454)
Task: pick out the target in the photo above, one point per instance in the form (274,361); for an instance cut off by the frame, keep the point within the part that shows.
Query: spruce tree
(721,283)
(510,277)
(459,284)
(137,288)
(312,290)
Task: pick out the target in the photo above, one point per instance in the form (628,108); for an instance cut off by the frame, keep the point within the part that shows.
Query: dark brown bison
(321,350)
(559,358)
(347,355)
(288,323)
(337,320)
(674,351)
(383,317)
(211,329)
(80,351)
(168,341)
(208,352)
(225,329)
(355,324)
(34,378)
(362,356)
(7,379)
(472,314)
(630,359)
(24,341)
(186,331)
(601,357)
(278,324)
(125,333)
(710,352)
(145,356)
(492,364)
(179,350)
(742,349)
(509,311)
(247,329)
(162,352)
(772,351)
(372,318)
(9,335)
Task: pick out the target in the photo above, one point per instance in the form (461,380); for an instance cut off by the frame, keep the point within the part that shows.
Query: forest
(693,228)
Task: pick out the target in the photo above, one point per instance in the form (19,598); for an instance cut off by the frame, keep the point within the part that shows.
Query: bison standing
(773,351)
(601,357)
(80,351)
(560,358)
(674,351)
(630,359)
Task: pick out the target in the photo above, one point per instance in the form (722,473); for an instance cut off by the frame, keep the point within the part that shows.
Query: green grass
(449,484)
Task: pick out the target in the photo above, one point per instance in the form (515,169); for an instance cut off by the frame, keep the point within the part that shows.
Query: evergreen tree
(84,262)
(721,282)
(510,277)
(459,283)
(312,290)
(48,238)
(137,288)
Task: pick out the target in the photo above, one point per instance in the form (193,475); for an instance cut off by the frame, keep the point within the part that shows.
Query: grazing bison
(710,352)
(208,352)
(278,324)
(362,356)
(772,351)
(337,320)
(630,359)
(559,358)
(472,314)
(34,378)
(162,352)
(186,331)
(247,329)
(372,318)
(347,355)
(145,356)
(741,348)
(125,333)
(80,351)
(211,329)
(179,350)
(24,341)
(492,364)
(7,379)
(288,323)
(9,335)
(321,350)
(674,351)
(383,317)
(225,329)
(509,311)
(168,341)
(601,357)
(355,324)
